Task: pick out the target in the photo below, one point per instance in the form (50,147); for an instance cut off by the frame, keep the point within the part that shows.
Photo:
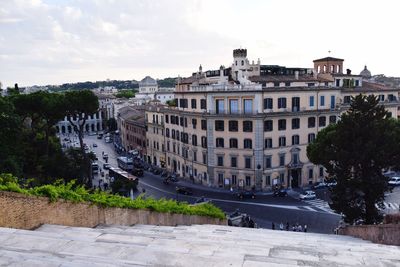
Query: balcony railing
(223,87)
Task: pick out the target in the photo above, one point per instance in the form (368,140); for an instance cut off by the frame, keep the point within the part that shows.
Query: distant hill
(167,82)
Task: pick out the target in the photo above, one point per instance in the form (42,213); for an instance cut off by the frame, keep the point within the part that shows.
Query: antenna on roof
(329,51)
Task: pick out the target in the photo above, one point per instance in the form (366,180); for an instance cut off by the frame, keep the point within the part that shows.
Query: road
(264,209)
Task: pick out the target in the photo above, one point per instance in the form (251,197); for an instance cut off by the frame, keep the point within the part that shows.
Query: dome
(148,81)
(365,73)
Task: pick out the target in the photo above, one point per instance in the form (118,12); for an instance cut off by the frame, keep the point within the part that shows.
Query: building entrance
(295,175)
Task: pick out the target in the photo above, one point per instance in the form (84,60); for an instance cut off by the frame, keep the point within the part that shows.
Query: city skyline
(55,42)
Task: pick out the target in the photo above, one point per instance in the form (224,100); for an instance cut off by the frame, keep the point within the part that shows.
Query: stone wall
(28,212)
(388,234)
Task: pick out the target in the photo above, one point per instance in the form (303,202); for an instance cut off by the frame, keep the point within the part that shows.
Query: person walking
(281,226)
(299,228)
(273,226)
(287,226)
(305,228)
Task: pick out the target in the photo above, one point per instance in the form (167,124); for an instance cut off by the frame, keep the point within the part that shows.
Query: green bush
(72,192)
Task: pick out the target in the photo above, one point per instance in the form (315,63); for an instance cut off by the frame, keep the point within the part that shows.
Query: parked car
(394,181)
(184,190)
(319,185)
(100,136)
(137,172)
(245,194)
(106,166)
(307,195)
(280,193)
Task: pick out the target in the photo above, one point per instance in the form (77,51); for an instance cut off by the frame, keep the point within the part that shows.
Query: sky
(59,41)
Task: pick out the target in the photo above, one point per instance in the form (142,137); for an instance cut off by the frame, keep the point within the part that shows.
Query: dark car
(280,193)
(172,178)
(245,194)
(156,171)
(137,172)
(184,190)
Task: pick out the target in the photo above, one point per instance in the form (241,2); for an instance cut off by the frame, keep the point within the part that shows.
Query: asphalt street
(264,209)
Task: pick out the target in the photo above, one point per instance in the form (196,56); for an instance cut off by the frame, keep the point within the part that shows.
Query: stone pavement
(198,245)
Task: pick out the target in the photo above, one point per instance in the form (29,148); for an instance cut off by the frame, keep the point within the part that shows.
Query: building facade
(93,124)
(248,126)
(132,129)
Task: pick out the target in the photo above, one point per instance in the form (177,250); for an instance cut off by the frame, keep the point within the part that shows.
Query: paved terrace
(198,245)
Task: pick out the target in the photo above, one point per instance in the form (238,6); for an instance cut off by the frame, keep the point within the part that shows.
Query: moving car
(280,193)
(94,145)
(137,172)
(105,156)
(394,181)
(319,185)
(184,190)
(307,195)
(245,194)
(100,136)
(106,166)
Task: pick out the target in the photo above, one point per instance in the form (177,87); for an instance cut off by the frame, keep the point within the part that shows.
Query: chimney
(296,74)
(348,71)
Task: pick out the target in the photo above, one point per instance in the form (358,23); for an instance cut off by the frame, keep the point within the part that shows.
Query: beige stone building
(132,128)
(248,126)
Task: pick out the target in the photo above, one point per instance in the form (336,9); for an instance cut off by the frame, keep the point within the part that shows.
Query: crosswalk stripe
(396,206)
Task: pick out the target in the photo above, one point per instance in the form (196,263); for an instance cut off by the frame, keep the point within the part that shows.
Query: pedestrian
(273,226)
(305,228)
(287,226)
(300,229)
(294,228)
(281,226)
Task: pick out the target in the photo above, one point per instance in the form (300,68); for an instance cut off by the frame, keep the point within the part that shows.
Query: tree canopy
(354,152)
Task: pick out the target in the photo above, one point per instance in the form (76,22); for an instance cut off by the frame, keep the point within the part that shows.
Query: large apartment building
(248,126)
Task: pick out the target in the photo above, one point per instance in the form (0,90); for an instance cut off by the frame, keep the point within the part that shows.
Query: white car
(394,181)
(308,195)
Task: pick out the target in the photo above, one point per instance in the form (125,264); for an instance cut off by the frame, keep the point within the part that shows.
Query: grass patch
(77,193)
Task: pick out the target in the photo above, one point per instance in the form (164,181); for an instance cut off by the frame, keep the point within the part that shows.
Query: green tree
(112,124)
(354,152)
(79,105)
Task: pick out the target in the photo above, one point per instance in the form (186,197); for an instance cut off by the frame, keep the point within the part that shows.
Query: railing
(223,87)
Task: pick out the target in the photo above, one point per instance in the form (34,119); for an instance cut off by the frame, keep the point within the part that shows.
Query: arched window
(319,69)
(242,62)
(337,68)
(247,144)
(324,68)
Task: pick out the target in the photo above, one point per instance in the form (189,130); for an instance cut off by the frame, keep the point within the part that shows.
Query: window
(194,156)
(219,125)
(381,98)
(321,171)
(173,134)
(220,160)
(311,122)
(282,141)
(295,139)
(233,126)
(332,101)
(177,135)
(276,84)
(282,102)
(248,106)
(268,104)
(234,179)
(204,142)
(295,158)
(281,160)
(168,146)
(233,143)
(194,123)
(268,142)
(234,106)
(337,82)
(203,104)
(268,180)
(357,83)
(219,142)
(219,106)
(247,162)
(247,144)
(322,121)
(167,132)
(248,180)
(268,162)
(322,100)
(311,137)
(268,126)
(312,101)
(203,124)
(234,162)
(332,119)
(310,84)
(194,104)
(295,104)
(181,121)
(281,178)
(166,119)
(295,123)
(185,122)
(204,158)
(287,84)
(247,126)
(281,124)
(310,173)
(183,103)
(194,140)
(347,99)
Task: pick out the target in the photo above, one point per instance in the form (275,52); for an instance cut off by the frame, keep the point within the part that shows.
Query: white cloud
(49,41)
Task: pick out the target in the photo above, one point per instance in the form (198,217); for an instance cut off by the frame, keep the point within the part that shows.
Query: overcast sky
(58,41)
